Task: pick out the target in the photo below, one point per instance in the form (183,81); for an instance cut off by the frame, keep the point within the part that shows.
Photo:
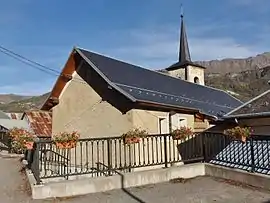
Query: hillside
(244,85)
(7,98)
(23,103)
(242,78)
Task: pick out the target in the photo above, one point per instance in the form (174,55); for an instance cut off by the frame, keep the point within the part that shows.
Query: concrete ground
(14,189)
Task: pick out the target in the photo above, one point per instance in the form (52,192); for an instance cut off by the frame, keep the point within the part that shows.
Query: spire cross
(182,10)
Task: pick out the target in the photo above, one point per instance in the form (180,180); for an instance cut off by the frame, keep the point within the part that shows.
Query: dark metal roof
(184,54)
(258,106)
(146,85)
(183,65)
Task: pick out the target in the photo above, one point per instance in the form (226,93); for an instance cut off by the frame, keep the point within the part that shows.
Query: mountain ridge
(228,65)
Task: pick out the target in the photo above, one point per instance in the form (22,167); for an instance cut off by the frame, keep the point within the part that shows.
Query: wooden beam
(54,100)
(199,117)
(66,77)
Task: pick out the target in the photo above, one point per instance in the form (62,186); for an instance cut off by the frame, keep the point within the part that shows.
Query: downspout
(170,122)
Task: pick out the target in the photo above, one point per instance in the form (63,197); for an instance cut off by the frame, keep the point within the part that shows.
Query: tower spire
(184,54)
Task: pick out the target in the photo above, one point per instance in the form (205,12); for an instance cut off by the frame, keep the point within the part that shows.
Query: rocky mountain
(236,65)
(242,78)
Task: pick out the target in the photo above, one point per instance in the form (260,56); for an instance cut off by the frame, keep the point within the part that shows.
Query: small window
(163,125)
(182,122)
(196,80)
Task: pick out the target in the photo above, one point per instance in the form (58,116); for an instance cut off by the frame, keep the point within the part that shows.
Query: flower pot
(132,140)
(179,137)
(66,145)
(243,139)
(72,144)
(29,145)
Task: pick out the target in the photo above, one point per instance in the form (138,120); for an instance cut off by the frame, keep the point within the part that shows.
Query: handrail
(46,150)
(102,138)
(5,139)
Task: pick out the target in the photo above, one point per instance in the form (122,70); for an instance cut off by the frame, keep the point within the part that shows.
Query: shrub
(181,133)
(134,136)
(66,137)
(239,132)
(20,139)
(66,140)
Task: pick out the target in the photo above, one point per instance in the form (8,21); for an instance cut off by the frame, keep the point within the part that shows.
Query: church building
(100,96)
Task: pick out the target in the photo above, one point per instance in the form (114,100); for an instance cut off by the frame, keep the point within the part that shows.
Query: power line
(35,64)
(29,60)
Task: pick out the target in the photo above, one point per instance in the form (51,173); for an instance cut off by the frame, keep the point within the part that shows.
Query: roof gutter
(143,102)
(191,110)
(210,116)
(254,115)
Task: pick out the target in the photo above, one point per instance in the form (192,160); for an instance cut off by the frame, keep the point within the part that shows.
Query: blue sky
(141,32)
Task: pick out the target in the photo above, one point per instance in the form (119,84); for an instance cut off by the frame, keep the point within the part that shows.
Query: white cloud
(158,48)
(219,48)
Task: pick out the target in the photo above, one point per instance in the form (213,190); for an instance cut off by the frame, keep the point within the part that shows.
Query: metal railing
(5,141)
(90,156)
(252,155)
(104,156)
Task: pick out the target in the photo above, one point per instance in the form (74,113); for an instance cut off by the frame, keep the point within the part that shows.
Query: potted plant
(238,132)
(21,139)
(134,136)
(65,140)
(28,141)
(181,133)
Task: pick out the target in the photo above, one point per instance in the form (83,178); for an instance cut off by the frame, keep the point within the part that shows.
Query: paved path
(14,189)
(198,190)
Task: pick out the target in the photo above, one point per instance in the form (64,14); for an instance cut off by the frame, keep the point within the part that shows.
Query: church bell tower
(185,69)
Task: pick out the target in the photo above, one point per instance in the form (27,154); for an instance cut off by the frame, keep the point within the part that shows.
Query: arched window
(196,80)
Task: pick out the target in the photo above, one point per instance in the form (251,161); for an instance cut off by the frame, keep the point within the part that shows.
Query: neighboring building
(40,122)
(254,113)
(101,96)
(3,115)
(185,69)
(7,124)
(16,116)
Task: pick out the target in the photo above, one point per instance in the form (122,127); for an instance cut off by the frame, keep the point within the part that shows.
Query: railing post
(109,143)
(9,140)
(165,150)
(203,147)
(35,162)
(252,155)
